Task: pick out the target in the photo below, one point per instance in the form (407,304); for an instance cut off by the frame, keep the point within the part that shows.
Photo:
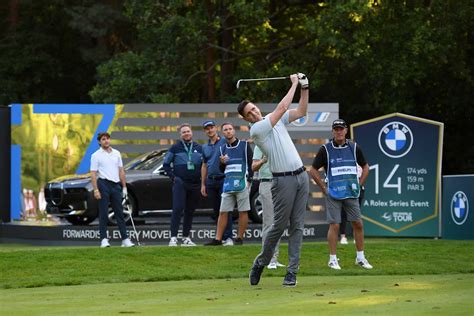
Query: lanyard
(189,149)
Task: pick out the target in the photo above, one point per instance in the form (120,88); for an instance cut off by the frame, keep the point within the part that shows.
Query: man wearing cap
(339,158)
(212,177)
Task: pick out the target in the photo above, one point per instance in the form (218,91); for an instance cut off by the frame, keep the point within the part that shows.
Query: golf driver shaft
(261,79)
(124,204)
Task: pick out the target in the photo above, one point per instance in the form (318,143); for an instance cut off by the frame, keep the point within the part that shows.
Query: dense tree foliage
(373,57)
(49,50)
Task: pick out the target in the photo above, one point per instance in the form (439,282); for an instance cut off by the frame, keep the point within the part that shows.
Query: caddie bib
(236,167)
(341,171)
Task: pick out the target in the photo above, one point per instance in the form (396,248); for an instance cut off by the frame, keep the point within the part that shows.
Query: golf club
(261,79)
(126,209)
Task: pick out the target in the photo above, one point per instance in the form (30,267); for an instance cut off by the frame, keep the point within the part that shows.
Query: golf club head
(126,206)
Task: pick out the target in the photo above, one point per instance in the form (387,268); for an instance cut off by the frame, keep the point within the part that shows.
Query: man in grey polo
(290,187)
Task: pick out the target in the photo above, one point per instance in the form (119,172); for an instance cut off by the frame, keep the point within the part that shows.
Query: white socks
(360,256)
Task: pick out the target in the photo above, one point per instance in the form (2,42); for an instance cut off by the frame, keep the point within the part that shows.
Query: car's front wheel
(256,209)
(128,209)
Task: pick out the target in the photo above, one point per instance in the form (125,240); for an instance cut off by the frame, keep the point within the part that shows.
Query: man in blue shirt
(212,177)
(182,164)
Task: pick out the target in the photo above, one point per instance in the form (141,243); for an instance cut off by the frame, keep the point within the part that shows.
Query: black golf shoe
(238,242)
(290,279)
(214,242)
(255,273)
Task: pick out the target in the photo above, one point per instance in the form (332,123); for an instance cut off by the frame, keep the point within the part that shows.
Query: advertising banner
(52,144)
(458,196)
(403,189)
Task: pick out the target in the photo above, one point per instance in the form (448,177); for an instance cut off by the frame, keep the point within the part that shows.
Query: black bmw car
(150,194)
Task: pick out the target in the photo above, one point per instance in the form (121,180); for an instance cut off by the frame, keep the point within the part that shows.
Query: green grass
(410,277)
(27,267)
(314,295)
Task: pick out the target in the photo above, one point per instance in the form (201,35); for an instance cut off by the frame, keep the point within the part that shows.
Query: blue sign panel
(402,195)
(458,196)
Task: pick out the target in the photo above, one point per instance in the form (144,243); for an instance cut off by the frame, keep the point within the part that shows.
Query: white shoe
(187,242)
(228,242)
(272,266)
(173,242)
(333,264)
(104,243)
(363,263)
(127,243)
(344,241)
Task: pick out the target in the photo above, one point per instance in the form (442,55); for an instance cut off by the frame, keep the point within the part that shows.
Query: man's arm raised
(302,108)
(285,103)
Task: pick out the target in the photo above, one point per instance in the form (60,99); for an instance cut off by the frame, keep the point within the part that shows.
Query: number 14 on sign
(387,183)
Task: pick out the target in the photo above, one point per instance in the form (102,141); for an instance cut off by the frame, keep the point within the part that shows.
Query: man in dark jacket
(183,165)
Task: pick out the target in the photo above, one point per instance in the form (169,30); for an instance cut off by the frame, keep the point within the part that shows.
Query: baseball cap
(339,123)
(208,123)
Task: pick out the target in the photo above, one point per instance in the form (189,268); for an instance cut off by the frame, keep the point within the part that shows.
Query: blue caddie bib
(236,167)
(341,171)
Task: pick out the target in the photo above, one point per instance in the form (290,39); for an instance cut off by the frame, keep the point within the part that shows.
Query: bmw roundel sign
(395,139)
(459,207)
(403,188)
(458,222)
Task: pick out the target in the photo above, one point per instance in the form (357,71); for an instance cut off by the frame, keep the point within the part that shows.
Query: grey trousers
(265,191)
(290,198)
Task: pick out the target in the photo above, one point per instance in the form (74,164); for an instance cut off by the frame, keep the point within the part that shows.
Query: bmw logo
(459,207)
(302,121)
(395,139)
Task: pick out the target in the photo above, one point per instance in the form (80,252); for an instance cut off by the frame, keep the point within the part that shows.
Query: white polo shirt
(276,144)
(107,164)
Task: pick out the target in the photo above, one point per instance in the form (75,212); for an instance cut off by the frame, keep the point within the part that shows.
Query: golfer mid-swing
(290,187)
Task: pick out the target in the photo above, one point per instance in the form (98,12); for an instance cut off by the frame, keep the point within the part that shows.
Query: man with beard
(182,164)
(236,162)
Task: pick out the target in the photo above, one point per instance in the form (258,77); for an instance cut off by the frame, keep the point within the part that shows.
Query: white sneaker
(127,243)
(104,243)
(344,241)
(173,242)
(279,265)
(363,263)
(228,242)
(333,264)
(272,266)
(187,242)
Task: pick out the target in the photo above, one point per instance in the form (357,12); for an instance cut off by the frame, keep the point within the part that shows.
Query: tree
(50,49)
